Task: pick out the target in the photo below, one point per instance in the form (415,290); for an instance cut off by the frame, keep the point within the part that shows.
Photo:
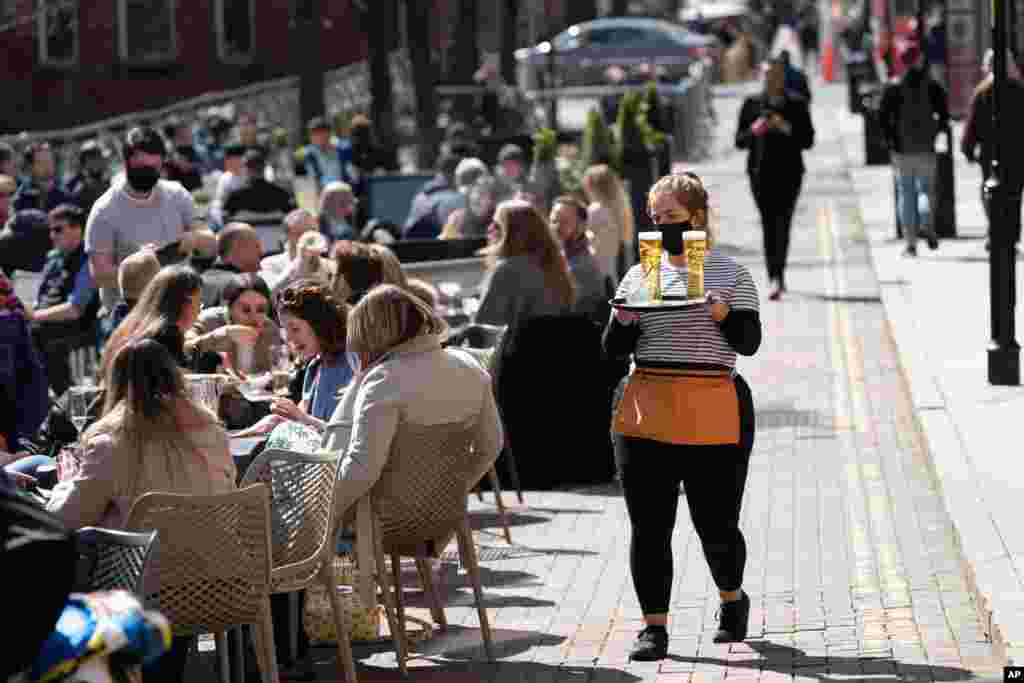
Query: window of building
(8,13)
(235,29)
(57,32)
(148,31)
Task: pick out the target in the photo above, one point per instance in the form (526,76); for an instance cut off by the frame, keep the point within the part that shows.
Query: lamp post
(1003,350)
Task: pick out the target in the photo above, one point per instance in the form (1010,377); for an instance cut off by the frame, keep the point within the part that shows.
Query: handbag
(684,407)
(364,623)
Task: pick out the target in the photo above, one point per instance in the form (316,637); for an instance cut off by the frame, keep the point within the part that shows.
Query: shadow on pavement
(791,661)
(484,519)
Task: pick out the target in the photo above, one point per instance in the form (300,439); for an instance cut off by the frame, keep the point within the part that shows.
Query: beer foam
(650,235)
(695,235)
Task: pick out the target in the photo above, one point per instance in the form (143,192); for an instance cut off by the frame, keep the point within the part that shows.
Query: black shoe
(910,251)
(933,240)
(651,645)
(732,620)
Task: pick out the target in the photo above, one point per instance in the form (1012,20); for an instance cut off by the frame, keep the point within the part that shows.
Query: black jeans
(776,202)
(713,477)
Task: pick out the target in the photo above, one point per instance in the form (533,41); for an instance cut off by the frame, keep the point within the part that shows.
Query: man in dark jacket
(979,140)
(426,217)
(257,201)
(913,112)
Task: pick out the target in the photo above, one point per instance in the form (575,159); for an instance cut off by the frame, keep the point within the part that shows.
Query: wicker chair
(302,507)
(485,343)
(416,505)
(114,560)
(485,357)
(214,565)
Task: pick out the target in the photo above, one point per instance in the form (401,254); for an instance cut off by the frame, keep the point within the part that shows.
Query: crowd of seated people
(363,340)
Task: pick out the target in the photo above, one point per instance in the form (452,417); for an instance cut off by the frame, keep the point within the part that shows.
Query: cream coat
(113,474)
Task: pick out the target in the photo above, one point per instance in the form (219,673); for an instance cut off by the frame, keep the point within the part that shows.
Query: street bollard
(876,152)
(944,193)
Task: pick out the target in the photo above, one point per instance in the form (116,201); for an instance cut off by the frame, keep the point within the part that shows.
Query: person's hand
(286,408)
(243,335)
(717,307)
(261,428)
(759,127)
(22,481)
(625,317)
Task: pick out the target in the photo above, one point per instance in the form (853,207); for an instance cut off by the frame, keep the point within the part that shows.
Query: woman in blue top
(314,322)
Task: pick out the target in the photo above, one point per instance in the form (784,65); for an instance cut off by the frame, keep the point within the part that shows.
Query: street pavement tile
(853,568)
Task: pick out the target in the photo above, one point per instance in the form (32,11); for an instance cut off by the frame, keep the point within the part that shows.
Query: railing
(275,104)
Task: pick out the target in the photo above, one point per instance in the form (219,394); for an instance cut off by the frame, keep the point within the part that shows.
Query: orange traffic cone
(828,62)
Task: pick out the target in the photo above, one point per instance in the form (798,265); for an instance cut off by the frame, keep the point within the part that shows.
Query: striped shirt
(690,335)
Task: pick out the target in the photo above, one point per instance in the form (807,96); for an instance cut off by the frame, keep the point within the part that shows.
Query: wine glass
(80,398)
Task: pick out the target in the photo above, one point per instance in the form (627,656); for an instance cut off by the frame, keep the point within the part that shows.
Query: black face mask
(142,178)
(672,236)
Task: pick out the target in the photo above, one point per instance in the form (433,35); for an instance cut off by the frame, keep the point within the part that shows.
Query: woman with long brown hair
(152,437)
(527,274)
(610,217)
(167,308)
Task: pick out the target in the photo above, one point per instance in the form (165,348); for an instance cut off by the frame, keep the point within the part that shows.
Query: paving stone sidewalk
(853,569)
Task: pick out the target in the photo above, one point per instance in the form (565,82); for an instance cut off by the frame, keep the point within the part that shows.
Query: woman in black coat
(776,127)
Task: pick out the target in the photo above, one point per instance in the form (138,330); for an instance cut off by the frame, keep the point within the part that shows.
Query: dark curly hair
(314,303)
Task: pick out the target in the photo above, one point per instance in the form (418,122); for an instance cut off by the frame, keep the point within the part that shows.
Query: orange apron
(686,407)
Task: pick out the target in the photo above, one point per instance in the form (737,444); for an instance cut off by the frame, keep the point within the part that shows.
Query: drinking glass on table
(280,369)
(80,398)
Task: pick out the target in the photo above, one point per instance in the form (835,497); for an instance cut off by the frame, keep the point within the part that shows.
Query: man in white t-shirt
(140,208)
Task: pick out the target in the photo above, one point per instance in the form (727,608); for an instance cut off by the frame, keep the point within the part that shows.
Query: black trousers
(776,198)
(713,477)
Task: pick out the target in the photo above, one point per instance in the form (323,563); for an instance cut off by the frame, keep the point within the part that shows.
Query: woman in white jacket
(402,374)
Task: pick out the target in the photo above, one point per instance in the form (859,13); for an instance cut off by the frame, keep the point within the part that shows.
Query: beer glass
(695,245)
(650,263)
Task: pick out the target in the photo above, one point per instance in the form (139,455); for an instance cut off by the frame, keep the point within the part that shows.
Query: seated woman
(394,340)
(245,302)
(527,275)
(314,323)
(167,309)
(361,267)
(151,437)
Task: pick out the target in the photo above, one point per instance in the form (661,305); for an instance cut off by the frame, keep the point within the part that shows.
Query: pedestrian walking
(776,127)
(698,416)
(912,113)
(979,140)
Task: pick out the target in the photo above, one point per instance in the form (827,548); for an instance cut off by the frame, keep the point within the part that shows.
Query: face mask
(142,178)
(355,361)
(672,236)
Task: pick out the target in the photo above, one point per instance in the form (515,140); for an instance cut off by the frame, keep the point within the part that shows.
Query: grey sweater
(515,291)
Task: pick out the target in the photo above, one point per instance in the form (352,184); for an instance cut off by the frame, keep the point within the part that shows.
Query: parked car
(584,51)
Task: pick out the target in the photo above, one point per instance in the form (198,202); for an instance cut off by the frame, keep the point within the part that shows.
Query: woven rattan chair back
(421,494)
(214,562)
(301,510)
(113,560)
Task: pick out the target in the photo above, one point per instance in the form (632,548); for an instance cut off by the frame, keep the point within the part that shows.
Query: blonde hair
(688,190)
(423,290)
(135,272)
(391,267)
(7,184)
(523,231)
(601,184)
(387,317)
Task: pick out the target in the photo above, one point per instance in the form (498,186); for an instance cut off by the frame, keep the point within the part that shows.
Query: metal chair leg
(502,514)
(468,552)
(427,579)
(397,629)
(513,473)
